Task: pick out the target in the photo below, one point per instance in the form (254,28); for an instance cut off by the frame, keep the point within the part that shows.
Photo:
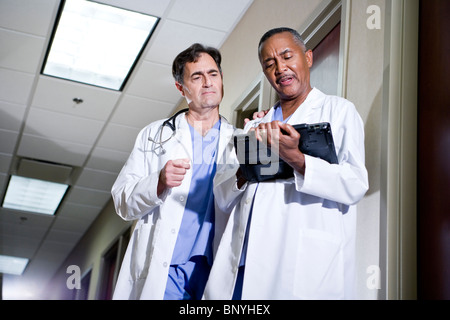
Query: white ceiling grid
(39,120)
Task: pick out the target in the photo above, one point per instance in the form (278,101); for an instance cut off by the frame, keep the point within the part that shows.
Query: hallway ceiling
(39,120)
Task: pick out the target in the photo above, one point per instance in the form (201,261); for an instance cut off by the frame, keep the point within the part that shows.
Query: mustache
(285,77)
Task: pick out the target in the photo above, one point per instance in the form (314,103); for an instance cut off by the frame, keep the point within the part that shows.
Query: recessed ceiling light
(34,195)
(12,265)
(97,44)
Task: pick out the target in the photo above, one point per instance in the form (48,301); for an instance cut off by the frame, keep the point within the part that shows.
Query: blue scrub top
(197,226)
(278,114)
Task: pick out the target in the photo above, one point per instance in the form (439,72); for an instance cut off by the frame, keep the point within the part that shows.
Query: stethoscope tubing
(167,123)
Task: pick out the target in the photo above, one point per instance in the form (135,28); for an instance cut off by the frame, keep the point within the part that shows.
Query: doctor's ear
(309,58)
(179,87)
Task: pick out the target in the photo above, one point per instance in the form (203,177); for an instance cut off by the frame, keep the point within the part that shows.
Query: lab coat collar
(183,133)
(182,123)
(313,101)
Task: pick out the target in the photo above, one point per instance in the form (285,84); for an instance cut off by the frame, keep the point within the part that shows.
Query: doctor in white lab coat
(293,238)
(137,194)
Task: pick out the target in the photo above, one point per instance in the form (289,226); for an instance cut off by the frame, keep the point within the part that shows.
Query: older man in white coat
(292,238)
(166,185)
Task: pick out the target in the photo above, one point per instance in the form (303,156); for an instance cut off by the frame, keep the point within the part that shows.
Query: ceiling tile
(52,253)
(3,181)
(28,16)
(23,226)
(5,162)
(79,211)
(174,37)
(17,246)
(23,234)
(19,51)
(96,179)
(49,124)
(11,116)
(193,12)
(154,81)
(15,86)
(72,224)
(8,141)
(107,159)
(53,150)
(64,235)
(87,196)
(118,137)
(139,112)
(32,220)
(57,95)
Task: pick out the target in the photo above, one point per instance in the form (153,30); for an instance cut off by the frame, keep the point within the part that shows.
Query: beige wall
(364,89)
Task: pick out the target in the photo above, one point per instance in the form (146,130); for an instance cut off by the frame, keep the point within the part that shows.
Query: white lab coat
(301,242)
(144,270)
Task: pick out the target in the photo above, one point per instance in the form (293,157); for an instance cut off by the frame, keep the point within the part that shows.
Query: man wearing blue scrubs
(166,184)
(192,257)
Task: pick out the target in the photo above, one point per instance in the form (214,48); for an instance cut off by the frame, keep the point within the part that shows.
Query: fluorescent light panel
(97,44)
(12,265)
(34,195)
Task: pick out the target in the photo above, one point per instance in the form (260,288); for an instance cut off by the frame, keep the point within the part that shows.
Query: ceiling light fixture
(12,265)
(97,44)
(34,195)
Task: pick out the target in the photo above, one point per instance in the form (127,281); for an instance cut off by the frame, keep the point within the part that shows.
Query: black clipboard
(257,163)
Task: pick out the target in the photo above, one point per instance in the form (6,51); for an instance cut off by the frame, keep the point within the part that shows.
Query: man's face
(286,66)
(202,87)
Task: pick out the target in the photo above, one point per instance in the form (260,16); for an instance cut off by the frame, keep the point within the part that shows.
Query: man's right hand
(172,174)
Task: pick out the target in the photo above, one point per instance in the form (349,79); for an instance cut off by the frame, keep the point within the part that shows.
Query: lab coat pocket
(319,270)
(141,250)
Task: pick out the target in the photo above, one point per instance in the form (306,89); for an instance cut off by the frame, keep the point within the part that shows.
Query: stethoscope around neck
(167,123)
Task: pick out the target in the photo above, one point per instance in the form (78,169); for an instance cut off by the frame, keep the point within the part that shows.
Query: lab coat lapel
(225,137)
(183,139)
(307,111)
